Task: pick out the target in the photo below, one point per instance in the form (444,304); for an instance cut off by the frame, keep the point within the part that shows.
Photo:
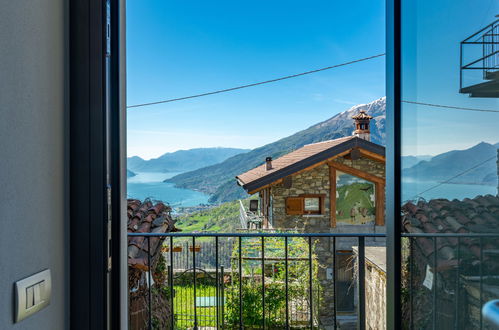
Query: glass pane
(450,110)
(312,204)
(355,200)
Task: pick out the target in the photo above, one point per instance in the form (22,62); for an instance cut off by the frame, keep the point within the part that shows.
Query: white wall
(33,155)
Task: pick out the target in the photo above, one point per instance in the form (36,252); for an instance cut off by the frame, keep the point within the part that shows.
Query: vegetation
(275,285)
(218,180)
(184,306)
(221,218)
(274,272)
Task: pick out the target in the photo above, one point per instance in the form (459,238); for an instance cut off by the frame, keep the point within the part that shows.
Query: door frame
(98,299)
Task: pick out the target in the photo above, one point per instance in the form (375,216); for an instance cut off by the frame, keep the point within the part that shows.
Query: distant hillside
(410,161)
(221,218)
(134,162)
(183,160)
(449,164)
(218,180)
(130,174)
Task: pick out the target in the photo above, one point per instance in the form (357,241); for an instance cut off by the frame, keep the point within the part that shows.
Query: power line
(255,84)
(450,107)
(455,176)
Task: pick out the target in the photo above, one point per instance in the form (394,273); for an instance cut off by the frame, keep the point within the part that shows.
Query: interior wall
(33,155)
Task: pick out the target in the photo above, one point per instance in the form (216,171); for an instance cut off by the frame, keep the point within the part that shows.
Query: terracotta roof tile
(291,158)
(477,215)
(146,217)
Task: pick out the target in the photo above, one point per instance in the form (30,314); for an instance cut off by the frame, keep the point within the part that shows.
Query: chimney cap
(268,159)
(362,115)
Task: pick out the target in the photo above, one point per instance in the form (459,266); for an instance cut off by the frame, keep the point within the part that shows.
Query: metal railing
(270,280)
(484,48)
(453,274)
(248,219)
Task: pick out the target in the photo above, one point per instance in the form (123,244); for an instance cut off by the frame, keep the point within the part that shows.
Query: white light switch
(30,301)
(32,294)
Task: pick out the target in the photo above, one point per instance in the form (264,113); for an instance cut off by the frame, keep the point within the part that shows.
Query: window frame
(97,156)
(393,154)
(301,198)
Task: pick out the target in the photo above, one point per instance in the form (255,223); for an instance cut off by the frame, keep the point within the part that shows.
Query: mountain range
(218,179)
(475,165)
(182,160)
(410,161)
(212,170)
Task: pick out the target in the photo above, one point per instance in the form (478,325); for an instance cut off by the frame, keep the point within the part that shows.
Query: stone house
(335,186)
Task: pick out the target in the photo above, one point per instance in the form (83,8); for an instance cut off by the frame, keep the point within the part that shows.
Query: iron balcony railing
(259,280)
(448,278)
(480,52)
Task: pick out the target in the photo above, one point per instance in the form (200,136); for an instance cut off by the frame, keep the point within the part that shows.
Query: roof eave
(324,155)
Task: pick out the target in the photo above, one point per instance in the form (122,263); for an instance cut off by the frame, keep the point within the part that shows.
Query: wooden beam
(380,204)
(332,196)
(372,155)
(355,172)
(264,187)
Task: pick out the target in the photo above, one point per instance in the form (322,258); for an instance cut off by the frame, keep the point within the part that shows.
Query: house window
(312,205)
(305,204)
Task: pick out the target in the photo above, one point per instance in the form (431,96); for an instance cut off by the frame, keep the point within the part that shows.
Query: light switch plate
(32,294)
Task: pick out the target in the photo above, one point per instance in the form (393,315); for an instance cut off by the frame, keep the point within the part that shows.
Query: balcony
(279,281)
(251,281)
(250,219)
(479,63)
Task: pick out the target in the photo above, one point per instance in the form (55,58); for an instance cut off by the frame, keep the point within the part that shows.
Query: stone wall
(375,284)
(316,181)
(364,164)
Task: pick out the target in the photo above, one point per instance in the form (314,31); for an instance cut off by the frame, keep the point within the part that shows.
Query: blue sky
(178,48)
(431,75)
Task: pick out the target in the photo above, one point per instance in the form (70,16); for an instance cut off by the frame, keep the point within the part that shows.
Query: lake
(150,185)
(450,191)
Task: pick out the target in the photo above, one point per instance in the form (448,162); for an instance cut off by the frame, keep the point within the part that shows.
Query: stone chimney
(268,163)
(362,122)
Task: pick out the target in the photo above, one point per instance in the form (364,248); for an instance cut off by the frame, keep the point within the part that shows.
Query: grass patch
(184,306)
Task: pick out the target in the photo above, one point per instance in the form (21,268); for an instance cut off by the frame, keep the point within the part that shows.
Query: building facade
(335,186)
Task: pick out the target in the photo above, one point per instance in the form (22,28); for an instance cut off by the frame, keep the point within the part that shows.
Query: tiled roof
(477,215)
(302,158)
(146,217)
(462,267)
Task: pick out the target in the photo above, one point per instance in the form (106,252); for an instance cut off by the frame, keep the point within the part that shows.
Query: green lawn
(184,306)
